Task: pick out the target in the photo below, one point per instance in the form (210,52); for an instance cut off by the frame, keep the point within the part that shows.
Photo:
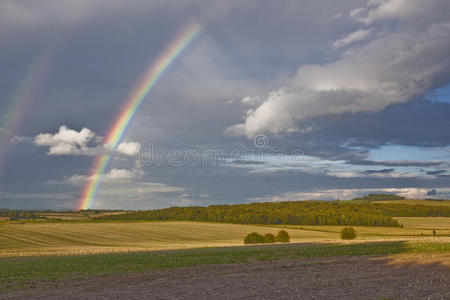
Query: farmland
(45,259)
(59,238)
(142,273)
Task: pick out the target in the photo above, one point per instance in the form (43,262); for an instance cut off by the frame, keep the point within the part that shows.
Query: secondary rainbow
(138,94)
(21,100)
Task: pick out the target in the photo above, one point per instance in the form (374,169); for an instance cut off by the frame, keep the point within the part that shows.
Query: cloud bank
(398,65)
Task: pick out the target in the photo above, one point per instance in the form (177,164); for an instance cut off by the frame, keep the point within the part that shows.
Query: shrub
(254,238)
(348,233)
(269,238)
(282,237)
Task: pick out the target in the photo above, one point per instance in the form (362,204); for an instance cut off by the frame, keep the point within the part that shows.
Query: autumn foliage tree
(348,233)
(282,237)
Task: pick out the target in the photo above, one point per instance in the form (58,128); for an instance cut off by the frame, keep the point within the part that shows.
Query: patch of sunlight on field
(64,238)
(418,202)
(380,233)
(432,223)
(67,238)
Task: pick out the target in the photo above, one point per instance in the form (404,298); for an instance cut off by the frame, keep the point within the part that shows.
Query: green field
(62,238)
(41,253)
(19,273)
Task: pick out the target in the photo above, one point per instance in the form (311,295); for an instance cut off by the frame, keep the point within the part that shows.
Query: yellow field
(418,202)
(425,223)
(82,238)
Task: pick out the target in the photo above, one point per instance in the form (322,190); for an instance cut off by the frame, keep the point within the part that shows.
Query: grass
(68,238)
(19,272)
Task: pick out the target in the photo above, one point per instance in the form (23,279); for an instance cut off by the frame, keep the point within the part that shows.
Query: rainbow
(138,94)
(23,96)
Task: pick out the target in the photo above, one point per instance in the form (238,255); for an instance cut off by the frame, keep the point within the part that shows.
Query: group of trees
(14,215)
(20,214)
(291,213)
(268,238)
(378,197)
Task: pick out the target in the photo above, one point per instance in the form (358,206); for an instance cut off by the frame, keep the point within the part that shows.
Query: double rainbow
(121,123)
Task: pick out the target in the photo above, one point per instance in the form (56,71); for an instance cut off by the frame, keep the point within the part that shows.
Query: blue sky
(292,101)
(441,94)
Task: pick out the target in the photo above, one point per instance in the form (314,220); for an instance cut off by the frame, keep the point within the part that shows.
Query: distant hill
(394,199)
(378,197)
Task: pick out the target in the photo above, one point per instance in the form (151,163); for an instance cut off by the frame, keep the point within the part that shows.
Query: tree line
(290,213)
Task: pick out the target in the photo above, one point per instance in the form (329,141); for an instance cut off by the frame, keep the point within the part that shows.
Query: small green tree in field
(348,233)
(269,238)
(254,238)
(282,237)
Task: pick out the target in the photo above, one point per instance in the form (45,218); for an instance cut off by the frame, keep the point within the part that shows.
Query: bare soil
(411,276)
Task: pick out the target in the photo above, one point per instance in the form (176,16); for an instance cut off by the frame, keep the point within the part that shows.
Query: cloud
(356,36)
(66,141)
(382,171)
(315,165)
(251,101)
(437,172)
(120,174)
(396,66)
(346,194)
(130,148)
(400,163)
(115,175)
(381,10)
(84,142)
(29,14)
(432,192)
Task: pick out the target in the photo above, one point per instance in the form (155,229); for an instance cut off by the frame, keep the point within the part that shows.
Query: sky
(270,101)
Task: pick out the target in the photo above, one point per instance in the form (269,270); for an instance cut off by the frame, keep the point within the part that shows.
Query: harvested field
(404,276)
(66,238)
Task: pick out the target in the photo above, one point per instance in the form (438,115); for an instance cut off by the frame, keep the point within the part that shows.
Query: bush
(348,233)
(269,238)
(282,237)
(254,238)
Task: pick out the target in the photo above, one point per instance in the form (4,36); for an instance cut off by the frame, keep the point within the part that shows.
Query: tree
(282,237)
(269,238)
(348,233)
(254,238)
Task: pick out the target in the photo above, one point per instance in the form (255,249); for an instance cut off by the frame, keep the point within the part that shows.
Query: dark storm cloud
(416,124)
(382,171)
(437,172)
(432,192)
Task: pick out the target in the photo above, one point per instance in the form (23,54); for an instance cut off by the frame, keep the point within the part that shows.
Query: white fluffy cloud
(115,175)
(71,142)
(121,174)
(130,148)
(65,141)
(395,66)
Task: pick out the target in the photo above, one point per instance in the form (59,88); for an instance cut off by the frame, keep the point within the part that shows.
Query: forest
(291,213)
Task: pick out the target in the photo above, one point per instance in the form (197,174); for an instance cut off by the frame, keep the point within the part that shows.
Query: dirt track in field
(418,276)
